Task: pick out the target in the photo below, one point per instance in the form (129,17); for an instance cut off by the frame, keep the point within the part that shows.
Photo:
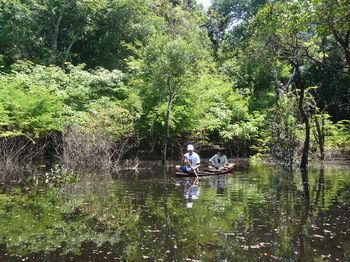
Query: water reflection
(219,183)
(301,226)
(260,213)
(320,188)
(191,190)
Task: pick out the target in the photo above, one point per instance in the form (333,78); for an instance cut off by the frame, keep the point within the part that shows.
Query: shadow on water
(256,213)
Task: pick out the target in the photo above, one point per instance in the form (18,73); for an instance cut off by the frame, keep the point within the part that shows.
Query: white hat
(190,147)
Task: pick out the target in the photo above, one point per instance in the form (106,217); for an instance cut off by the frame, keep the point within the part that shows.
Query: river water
(257,213)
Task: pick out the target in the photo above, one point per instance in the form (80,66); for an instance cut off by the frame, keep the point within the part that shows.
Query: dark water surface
(255,214)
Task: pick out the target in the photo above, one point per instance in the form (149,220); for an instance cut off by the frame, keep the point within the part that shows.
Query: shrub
(28,109)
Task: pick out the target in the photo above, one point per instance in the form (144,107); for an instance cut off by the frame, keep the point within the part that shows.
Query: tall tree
(332,18)
(229,19)
(171,62)
(283,27)
(93,32)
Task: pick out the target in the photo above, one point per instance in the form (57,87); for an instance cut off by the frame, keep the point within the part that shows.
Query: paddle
(194,170)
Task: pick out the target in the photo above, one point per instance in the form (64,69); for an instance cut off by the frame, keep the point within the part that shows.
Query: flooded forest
(174,130)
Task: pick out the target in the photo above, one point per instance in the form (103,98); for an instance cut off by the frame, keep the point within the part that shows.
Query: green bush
(28,109)
(338,136)
(37,99)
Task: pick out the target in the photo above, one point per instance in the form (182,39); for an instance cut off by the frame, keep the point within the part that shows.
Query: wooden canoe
(208,172)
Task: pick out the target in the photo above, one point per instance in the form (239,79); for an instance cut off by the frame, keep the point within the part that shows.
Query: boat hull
(208,172)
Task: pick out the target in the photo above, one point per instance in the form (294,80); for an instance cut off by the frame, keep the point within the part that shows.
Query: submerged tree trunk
(304,116)
(319,135)
(167,124)
(306,146)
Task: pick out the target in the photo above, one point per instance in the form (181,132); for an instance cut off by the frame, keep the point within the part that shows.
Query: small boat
(209,171)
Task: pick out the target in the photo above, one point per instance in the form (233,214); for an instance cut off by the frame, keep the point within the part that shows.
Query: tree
(332,18)
(117,25)
(170,67)
(93,32)
(70,21)
(284,29)
(19,38)
(170,64)
(228,19)
(283,129)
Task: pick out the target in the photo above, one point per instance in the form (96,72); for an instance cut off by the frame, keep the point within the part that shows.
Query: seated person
(191,159)
(218,161)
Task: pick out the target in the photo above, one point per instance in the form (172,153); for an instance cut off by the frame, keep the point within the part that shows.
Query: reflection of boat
(207,171)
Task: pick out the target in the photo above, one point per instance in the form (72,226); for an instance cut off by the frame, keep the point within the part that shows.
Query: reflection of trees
(166,218)
(287,214)
(315,205)
(304,215)
(320,188)
(264,213)
(48,221)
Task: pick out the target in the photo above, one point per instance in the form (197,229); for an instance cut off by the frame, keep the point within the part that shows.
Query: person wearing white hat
(191,159)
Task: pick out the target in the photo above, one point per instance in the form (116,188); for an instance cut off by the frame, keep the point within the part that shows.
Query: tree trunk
(56,28)
(68,51)
(305,151)
(319,135)
(167,122)
(301,86)
(344,44)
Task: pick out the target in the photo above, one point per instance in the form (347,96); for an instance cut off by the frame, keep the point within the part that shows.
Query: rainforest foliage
(258,77)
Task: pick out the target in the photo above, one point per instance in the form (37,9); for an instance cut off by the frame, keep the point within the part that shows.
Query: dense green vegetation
(259,77)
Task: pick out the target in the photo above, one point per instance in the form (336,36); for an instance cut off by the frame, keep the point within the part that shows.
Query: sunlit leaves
(38,99)
(338,136)
(31,110)
(169,66)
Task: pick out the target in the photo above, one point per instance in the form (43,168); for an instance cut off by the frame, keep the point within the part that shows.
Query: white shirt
(193,159)
(219,160)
